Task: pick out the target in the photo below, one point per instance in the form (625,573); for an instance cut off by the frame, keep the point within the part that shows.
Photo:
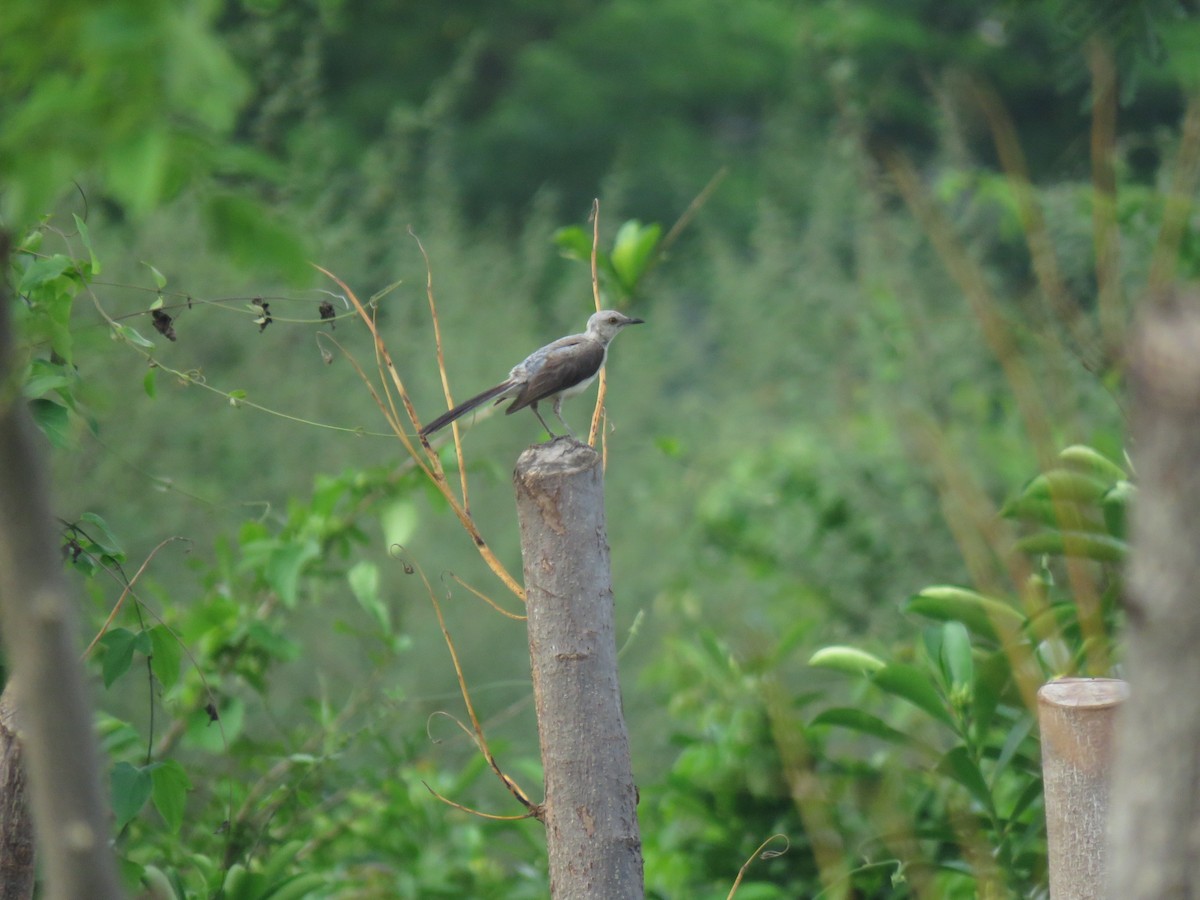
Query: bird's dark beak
(635,322)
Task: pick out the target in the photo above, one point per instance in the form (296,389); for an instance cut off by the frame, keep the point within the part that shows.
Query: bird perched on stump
(561,369)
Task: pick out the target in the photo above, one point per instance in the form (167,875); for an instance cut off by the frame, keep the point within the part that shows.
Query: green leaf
(847,659)
(170,788)
(131,788)
(956,659)
(166,656)
(1031,794)
(86,238)
(45,376)
(1012,742)
(102,536)
(44,271)
(862,722)
(160,280)
(131,335)
(1116,505)
(1085,544)
(399,520)
(574,243)
(1085,459)
(632,251)
(911,684)
(285,567)
(119,646)
(150,383)
(1065,484)
(53,419)
(979,613)
(958,765)
(364,582)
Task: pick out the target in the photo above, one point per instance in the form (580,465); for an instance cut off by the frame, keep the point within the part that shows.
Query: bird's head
(608,322)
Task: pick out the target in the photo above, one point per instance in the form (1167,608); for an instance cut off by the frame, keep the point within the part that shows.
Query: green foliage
(133,93)
(974,675)
(634,253)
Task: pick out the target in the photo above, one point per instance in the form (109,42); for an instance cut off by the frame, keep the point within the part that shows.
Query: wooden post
(1077,716)
(590,811)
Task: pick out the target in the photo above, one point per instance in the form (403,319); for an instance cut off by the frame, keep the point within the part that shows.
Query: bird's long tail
(466,406)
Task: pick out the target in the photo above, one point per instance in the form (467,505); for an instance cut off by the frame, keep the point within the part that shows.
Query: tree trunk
(16,827)
(590,811)
(38,625)
(1154,829)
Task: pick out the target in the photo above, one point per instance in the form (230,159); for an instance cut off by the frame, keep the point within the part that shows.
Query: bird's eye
(612,320)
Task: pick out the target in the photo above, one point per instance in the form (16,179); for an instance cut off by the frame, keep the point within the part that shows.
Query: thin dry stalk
(1037,237)
(441,361)
(1105,234)
(598,411)
(1179,201)
(761,852)
(428,461)
(1003,345)
(477,728)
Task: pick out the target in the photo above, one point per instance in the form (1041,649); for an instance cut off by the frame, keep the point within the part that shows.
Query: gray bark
(16,826)
(1154,828)
(38,625)
(590,811)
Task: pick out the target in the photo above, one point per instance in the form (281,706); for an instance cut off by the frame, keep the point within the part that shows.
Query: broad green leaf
(53,419)
(992,679)
(170,787)
(160,280)
(847,659)
(1065,484)
(364,582)
(131,788)
(632,251)
(399,520)
(101,535)
(45,376)
(119,646)
(285,567)
(43,271)
(958,765)
(1116,507)
(1085,544)
(911,684)
(574,243)
(862,722)
(956,659)
(979,613)
(167,655)
(1085,459)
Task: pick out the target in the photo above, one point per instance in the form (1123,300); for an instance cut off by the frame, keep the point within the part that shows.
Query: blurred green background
(925,230)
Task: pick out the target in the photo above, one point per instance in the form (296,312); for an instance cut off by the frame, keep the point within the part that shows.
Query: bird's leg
(558,412)
(533,406)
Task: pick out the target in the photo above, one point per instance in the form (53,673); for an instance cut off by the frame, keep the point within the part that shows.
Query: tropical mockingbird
(561,369)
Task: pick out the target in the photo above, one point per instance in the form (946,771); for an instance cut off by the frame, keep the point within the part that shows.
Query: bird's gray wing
(564,364)
(466,406)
